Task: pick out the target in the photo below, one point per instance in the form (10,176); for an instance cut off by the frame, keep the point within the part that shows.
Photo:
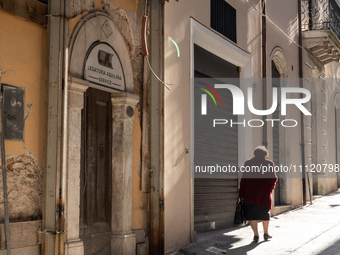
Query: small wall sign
(103,67)
(14,111)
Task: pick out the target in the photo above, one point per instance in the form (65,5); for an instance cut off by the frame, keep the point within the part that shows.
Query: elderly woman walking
(256,188)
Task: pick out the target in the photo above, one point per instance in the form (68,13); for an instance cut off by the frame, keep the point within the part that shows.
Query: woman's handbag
(239,213)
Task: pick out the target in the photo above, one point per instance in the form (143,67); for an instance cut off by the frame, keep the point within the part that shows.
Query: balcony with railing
(320,21)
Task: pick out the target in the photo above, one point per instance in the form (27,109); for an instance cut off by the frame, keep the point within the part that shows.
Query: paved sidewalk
(312,229)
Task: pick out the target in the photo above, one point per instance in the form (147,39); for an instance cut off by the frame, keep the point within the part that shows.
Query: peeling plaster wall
(23,59)
(23,62)
(130,26)
(25,187)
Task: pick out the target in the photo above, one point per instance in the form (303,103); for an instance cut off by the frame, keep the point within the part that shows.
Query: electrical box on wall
(14,111)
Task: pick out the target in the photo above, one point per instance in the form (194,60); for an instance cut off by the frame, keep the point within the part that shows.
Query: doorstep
(280,209)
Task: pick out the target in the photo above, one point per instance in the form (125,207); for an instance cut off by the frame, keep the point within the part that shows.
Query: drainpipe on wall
(156,93)
(57,29)
(264,71)
(63,176)
(301,114)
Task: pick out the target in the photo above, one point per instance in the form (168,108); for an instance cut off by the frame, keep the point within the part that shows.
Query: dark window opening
(223,18)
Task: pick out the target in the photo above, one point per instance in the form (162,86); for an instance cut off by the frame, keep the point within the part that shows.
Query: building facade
(24,70)
(104,158)
(74,181)
(259,39)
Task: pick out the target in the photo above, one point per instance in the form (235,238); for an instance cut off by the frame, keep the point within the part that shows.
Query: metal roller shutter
(214,198)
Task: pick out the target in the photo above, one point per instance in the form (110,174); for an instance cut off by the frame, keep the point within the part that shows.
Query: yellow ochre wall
(138,197)
(23,58)
(128,5)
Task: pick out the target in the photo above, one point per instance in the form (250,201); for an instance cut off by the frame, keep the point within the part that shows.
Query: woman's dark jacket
(257,186)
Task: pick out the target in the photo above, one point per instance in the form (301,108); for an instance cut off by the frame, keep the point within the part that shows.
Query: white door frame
(222,47)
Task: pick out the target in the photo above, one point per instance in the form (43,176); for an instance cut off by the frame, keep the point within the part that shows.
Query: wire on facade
(145,46)
(265,15)
(272,22)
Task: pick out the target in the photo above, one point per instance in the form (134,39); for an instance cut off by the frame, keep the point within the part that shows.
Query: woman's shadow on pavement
(244,249)
(219,245)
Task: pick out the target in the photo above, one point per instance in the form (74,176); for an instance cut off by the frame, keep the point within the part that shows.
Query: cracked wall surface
(23,60)
(24,187)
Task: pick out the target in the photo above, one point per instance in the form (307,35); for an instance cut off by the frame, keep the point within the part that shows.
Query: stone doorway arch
(284,192)
(278,57)
(94,28)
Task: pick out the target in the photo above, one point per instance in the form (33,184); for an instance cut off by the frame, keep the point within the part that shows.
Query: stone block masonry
(25,188)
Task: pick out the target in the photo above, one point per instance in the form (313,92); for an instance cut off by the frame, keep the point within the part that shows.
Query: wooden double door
(96,173)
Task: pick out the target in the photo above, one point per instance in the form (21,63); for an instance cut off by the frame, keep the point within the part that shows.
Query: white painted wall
(185,23)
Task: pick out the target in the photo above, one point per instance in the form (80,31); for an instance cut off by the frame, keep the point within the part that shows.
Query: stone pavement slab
(311,229)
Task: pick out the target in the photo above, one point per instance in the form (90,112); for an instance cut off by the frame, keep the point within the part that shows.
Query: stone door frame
(122,239)
(98,27)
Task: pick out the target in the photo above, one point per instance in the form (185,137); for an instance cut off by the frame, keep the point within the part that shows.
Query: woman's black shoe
(256,239)
(267,237)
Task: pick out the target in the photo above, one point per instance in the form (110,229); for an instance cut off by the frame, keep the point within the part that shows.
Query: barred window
(223,18)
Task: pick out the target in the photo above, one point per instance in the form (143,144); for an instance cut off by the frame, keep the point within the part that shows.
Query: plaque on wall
(103,67)
(14,111)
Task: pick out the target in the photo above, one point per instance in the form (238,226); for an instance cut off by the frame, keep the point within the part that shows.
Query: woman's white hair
(260,151)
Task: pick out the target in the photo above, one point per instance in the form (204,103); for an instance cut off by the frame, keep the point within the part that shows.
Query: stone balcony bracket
(323,45)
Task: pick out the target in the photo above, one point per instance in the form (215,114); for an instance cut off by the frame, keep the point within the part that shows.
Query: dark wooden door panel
(96,176)
(83,202)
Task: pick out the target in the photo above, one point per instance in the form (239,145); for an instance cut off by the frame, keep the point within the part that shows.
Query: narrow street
(312,229)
